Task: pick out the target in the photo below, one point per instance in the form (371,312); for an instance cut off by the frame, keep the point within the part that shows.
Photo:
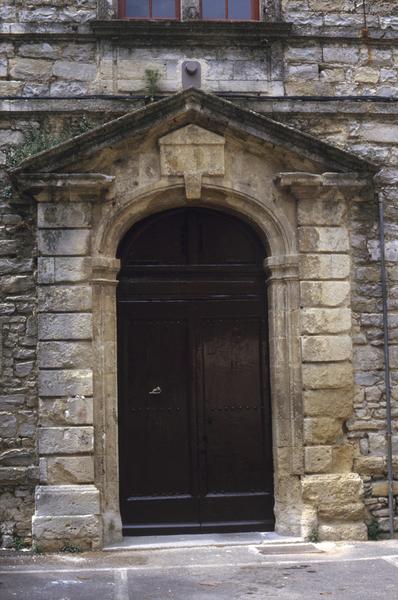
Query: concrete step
(267,541)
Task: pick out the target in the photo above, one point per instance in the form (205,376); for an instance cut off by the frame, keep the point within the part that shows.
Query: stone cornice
(194,106)
(34,183)
(120,104)
(190,33)
(324,180)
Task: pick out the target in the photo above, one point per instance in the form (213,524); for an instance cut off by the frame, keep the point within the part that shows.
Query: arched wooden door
(194,410)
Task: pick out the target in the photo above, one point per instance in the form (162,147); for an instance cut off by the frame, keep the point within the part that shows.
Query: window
(216,10)
(149,9)
(230,10)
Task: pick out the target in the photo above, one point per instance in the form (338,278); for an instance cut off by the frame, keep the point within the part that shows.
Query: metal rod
(387,378)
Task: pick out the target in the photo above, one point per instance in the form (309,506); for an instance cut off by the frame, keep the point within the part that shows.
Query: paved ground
(252,572)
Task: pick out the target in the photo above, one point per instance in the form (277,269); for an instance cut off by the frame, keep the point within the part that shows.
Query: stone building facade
(301,105)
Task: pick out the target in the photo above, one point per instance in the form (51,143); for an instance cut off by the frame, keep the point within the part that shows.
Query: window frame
(122,12)
(255,11)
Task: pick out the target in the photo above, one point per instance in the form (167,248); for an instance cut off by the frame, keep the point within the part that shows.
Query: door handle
(156,391)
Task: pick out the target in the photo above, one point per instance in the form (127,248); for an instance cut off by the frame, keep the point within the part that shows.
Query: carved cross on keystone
(192,152)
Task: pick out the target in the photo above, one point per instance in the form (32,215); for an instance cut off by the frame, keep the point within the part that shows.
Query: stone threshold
(158,542)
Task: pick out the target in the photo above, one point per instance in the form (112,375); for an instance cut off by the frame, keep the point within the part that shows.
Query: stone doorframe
(282,279)
(79,217)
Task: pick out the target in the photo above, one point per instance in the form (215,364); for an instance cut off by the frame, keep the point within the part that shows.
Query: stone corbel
(46,186)
(105,270)
(303,185)
(282,267)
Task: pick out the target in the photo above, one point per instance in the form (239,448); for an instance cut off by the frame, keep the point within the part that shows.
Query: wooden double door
(194,417)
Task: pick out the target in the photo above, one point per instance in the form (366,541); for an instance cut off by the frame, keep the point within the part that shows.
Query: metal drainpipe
(387,379)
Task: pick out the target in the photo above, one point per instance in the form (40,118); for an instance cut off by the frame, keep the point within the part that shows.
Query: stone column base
(67,516)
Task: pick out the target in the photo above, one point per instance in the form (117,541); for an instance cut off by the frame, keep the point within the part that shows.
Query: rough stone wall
(42,12)
(311,14)
(18,339)
(19,468)
(332,66)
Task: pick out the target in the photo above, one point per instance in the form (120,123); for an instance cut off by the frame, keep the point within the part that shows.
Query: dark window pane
(163,9)
(213,9)
(240,9)
(137,8)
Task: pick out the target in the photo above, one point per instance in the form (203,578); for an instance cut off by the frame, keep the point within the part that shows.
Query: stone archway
(281,275)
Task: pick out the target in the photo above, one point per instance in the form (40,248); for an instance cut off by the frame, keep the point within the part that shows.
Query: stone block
(65,382)
(322,430)
(30,69)
(61,500)
(42,50)
(75,410)
(11,401)
(17,457)
(8,425)
(13,476)
(321,212)
(324,348)
(343,458)
(325,320)
(318,459)
(12,266)
(324,266)
(324,293)
(77,71)
(343,532)
(352,511)
(368,358)
(64,215)
(329,375)
(380,488)
(64,355)
(302,72)
(328,403)
(45,270)
(16,284)
(52,533)
(379,132)
(369,465)
(323,239)
(343,489)
(67,469)
(71,269)
(23,369)
(366,75)
(63,298)
(63,242)
(348,55)
(65,440)
(70,326)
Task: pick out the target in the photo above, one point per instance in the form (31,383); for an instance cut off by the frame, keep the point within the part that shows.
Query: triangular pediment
(189,115)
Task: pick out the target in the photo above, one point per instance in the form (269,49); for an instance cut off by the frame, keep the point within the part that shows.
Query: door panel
(235,479)
(156,446)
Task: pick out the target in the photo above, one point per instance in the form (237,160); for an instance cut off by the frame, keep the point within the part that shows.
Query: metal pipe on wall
(387,377)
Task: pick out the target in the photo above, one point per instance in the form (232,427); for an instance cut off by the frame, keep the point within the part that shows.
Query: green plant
(313,536)
(6,193)
(373,530)
(152,77)
(18,543)
(72,548)
(37,549)
(38,139)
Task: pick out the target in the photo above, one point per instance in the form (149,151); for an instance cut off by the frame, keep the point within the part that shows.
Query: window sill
(183,33)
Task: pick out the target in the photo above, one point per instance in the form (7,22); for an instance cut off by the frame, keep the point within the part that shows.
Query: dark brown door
(194,420)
